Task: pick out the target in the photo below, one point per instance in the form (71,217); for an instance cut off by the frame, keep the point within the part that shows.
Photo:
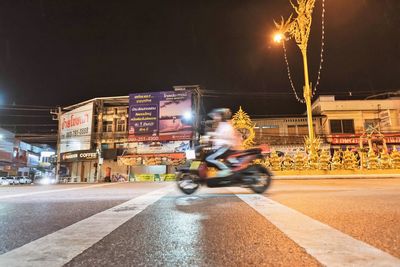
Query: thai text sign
(76,129)
(355,139)
(160,116)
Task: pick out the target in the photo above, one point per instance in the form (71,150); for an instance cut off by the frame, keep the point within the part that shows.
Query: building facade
(339,124)
(349,122)
(143,137)
(137,137)
(18,158)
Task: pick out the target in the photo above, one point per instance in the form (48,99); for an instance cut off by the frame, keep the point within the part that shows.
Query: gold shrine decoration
(242,122)
(298,27)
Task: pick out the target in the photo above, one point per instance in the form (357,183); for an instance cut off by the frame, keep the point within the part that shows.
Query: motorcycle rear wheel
(187,183)
(263,177)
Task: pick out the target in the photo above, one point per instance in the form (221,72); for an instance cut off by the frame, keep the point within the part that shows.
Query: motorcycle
(245,172)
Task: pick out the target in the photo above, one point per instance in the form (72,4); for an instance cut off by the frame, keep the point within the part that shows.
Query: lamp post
(299,29)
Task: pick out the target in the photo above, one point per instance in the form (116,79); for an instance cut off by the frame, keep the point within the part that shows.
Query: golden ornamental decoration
(243,124)
(300,26)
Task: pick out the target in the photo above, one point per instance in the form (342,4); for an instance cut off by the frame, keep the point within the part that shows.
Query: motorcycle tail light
(203,170)
(264,149)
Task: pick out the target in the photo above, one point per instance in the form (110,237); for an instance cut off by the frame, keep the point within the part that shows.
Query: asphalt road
(296,223)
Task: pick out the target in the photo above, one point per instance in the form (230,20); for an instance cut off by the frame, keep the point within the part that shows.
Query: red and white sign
(355,139)
(76,129)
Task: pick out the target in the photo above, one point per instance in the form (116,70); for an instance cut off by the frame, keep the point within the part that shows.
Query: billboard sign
(6,146)
(76,129)
(160,116)
(384,117)
(158,147)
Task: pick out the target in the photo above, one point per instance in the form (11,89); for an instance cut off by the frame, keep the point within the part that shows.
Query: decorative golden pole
(299,29)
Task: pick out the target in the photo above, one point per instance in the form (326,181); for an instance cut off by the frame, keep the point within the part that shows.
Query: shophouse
(142,136)
(347,122)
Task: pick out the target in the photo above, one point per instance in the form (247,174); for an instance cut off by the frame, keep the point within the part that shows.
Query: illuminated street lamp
(278,37)
(299,29)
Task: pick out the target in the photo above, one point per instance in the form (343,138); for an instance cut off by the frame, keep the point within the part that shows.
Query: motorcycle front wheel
(187,183)
(262,179)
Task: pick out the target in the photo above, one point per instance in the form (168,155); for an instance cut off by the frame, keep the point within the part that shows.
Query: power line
(28,125)
(25,116)
(28,106)
(25,109)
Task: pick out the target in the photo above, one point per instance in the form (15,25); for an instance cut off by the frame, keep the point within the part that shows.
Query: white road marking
(60,247)
(52,191)
(326,244)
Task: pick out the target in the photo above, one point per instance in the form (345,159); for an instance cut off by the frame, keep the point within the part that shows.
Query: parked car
(12,180)
(4,181)
(24,180)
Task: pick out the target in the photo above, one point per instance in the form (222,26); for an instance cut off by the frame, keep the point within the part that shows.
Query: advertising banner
(160,116)
(6,146)
(76,129)
(158,147)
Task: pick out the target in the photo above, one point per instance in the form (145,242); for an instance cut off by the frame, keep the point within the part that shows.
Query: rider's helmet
(221,114)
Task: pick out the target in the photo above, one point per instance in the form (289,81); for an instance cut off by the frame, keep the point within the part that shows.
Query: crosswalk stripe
(326,244)
(52,191)
(60,247)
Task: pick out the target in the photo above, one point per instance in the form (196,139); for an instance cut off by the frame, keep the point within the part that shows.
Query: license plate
(195,165)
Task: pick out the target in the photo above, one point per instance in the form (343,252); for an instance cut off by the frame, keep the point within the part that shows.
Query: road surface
(296,223)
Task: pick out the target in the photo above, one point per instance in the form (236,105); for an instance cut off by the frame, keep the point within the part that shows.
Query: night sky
(62,52)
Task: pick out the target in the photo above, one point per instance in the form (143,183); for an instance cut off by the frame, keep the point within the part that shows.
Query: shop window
(342,126)
(302,129)
(121,125)
(107,126)
(119,145)
(104,146)
(270,129)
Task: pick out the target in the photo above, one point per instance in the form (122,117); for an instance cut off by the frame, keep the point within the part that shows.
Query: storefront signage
(6,146)
(79,155)
(384,117)
(354,139)
(158,147)
(160,116)
(155,177)
(76,129)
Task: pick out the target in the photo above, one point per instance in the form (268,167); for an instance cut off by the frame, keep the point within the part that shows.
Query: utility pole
(99,136)
(56,116)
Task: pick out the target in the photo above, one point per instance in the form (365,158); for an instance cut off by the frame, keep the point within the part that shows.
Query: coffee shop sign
(79,155)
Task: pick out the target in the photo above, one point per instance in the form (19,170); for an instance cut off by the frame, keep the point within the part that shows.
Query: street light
(299,29)
(278,37)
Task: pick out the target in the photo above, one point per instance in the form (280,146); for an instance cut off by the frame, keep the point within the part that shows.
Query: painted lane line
(60,247)
(52,191)
(326,244)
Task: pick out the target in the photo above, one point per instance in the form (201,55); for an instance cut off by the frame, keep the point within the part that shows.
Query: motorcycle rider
(224,138)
